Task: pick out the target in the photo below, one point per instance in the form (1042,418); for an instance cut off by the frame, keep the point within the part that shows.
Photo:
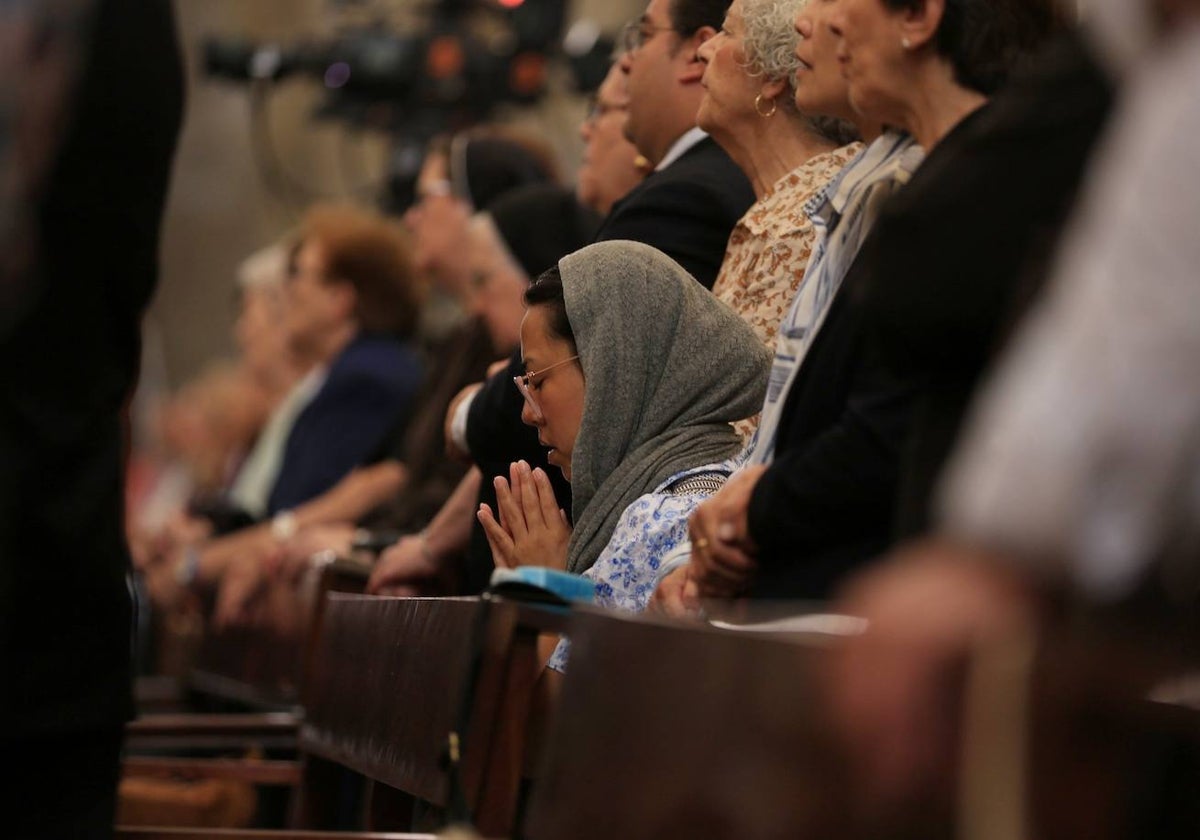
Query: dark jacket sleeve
(826,503)
(494,427)
(497,436)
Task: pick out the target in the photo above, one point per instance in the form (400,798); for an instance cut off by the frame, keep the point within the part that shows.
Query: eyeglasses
(636,33)
(525,383)
(598,109)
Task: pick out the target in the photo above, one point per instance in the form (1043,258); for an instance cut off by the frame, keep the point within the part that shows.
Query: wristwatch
(284,526)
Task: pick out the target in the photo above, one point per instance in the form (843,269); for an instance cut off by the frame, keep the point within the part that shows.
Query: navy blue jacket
(368,387)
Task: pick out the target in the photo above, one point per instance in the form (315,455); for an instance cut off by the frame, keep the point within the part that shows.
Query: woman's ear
(773,89)
(692,68)
(919,24)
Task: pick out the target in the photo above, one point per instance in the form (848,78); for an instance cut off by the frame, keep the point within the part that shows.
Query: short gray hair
(770,46)
(770,40)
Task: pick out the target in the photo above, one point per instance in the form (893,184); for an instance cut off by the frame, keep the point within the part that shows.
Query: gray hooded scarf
(667,367)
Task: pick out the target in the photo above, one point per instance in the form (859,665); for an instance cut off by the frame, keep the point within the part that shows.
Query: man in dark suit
(70,355)
(688,205)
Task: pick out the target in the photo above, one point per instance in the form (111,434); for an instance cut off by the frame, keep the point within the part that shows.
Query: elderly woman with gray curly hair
(750,110)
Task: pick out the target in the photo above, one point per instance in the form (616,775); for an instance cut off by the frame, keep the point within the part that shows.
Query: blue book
(537,583)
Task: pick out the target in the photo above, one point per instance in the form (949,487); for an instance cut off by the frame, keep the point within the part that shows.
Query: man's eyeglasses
(598,109)
(526,383)
(636,33)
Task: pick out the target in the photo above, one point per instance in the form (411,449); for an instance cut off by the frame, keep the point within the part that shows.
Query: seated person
(350,304)
(629,404)
(527,226)
(462,174)
(262,339)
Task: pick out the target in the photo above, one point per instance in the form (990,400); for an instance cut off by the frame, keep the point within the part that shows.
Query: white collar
(688,139)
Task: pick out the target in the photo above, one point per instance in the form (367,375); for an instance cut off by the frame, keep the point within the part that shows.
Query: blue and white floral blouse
(650,529)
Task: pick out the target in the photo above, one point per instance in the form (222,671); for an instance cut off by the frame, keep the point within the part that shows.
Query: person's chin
(554,457)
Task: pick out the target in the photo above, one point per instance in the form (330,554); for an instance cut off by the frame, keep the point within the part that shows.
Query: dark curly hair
(985,40)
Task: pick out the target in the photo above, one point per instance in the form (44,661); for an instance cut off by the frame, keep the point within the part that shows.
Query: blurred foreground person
(70,360)
(1078,477)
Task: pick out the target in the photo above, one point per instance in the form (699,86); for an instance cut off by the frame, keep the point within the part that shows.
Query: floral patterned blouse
(769,249)
(648,532)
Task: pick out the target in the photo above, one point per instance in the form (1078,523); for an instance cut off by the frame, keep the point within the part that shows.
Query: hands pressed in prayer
(532,529)
(723,563)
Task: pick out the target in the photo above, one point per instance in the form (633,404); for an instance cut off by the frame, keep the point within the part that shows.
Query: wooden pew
(667,730)
(671,730)
(1086,732)
(241,834)
(260,668)
(417,693)
(425,697)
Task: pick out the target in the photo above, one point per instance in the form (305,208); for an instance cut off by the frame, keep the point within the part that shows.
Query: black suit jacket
(879,399)
(686,210)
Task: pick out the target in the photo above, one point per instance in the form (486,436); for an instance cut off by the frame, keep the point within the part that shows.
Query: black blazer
(686,210)
(965,246)
(824,506)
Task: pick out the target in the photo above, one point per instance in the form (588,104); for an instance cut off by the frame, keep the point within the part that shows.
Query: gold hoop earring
(758,100)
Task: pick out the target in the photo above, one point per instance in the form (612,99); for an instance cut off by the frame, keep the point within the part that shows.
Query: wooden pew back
(404,690)
(680,731)
(264,663)
(387,684)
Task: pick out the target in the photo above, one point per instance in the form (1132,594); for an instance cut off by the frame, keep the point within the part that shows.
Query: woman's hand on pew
(532,529)
(723,563)
(676,595)
(406,569)
(293,557)
(179,531)
(241,583)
